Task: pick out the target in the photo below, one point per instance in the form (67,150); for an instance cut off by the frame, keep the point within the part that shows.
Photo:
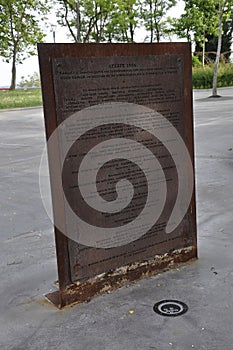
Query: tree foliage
(212,41)
(31,81)
(200,19)
(100,20)
(19,30)
(153,14)
(224,12)
(114,20)
(124,20)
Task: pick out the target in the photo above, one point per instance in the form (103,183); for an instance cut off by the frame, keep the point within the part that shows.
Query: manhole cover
(170,308)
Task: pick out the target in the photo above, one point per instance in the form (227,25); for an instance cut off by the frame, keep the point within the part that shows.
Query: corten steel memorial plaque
(120,146)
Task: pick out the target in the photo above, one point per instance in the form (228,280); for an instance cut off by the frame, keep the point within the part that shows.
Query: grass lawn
(20,98)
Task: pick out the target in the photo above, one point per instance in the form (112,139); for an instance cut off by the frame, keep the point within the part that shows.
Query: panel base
(81,292)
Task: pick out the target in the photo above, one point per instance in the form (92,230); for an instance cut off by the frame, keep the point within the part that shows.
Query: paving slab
(28,262)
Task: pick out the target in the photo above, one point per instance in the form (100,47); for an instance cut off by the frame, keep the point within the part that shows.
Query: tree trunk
(215,78)
(131,28)
(13,71)
(131,32)
(157,31)
(203,54)
(68,22)
(151,23)
(78,22)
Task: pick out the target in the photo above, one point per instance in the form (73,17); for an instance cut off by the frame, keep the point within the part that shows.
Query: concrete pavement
(28,263)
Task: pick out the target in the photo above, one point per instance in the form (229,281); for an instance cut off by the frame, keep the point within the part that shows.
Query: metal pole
(78,22)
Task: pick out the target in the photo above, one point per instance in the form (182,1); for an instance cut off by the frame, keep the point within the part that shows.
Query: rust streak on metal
(78,292)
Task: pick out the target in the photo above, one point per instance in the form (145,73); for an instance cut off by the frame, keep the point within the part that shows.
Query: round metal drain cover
(170,308)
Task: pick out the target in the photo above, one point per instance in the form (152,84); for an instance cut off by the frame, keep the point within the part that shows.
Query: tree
(153,13)
(224,13)
(90,16)
(31,81)
(212,43)
(67,16)
(100,20)
(199,20)
(19,30)
(123,21)
(182,27)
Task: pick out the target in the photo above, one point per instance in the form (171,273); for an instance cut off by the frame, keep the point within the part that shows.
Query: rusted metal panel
(81,292)
(76,76)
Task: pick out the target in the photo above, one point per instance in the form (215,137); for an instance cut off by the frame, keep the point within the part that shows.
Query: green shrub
(196,62)
(203,77)
(225,76)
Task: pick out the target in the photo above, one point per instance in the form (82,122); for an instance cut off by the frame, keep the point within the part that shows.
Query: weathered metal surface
(81,292)
(67,88)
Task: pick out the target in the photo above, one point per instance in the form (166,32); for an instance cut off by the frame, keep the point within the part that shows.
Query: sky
(31,64)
